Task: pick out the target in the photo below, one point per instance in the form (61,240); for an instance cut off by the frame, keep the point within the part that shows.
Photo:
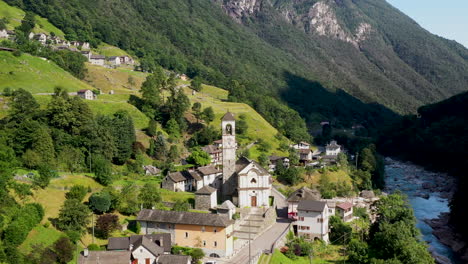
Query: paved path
(261,243)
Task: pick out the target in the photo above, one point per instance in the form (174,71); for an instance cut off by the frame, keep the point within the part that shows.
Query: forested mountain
(344,60)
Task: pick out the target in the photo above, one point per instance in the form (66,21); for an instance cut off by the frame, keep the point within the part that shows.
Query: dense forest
(438,139)
(268,62)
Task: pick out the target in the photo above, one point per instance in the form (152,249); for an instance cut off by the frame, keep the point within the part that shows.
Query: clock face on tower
(230,142)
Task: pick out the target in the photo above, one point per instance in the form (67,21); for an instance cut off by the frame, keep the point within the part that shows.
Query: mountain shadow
(315,103)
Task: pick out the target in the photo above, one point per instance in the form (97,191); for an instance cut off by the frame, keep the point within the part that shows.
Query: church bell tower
(228,125)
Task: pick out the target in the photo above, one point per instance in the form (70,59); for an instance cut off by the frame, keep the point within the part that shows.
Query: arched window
(214,255)
(253,181)
(229,129)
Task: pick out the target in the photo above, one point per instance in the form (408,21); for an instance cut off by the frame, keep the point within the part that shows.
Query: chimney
(130,247)
(85,252)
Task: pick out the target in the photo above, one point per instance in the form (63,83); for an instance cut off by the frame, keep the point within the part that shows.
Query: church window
(229,129)
(215,244)
(253,181)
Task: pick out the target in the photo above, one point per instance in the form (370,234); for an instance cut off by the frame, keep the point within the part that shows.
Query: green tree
(357,252)
(149,195)
(241,125)
(102,169)
(197,254)
(199,157)
(152,128)
(173,153)
(45,174)
(340,232)
(124,136)
(128,202)
(64,249)
(28,23)
(196,109)
(158,147)
(44,146)
(263,159)
(172,128)
(73,216)
(23,105)
(208,115)
(72,158)
(181,206)
(77,192)
(196,83)
(100,202)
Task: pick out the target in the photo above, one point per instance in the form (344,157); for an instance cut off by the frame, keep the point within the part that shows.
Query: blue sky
(448,19)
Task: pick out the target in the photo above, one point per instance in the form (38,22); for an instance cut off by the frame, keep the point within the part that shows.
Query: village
(236,206)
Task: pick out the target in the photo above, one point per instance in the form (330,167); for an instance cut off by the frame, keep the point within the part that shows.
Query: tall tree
(124,135)
(73,216)
(23,105)
(149,195)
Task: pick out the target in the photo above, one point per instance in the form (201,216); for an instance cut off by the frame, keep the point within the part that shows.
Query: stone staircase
(251,226)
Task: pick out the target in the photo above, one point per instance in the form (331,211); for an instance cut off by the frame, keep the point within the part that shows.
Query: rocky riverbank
(429,194)
(448,236)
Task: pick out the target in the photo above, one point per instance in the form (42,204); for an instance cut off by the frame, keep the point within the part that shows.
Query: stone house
(97,59)
(11,34)
(182,181)
(332,149)
(312,222)
(301,145)
(345,211)
(301,194)
(85,46)
(151,170)
(305,155)
(210,232)
(211,176)
(162,240)
(86,94)
(227,208)
(87,54)
(41,37)
(126,60)
(206,198)
(274,160)
(216,154)
(4,33)
(114,60)
(174,259)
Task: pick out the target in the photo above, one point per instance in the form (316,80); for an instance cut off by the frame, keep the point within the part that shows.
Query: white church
(244,182)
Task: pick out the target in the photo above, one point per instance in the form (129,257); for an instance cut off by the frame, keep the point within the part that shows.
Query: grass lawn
(114,79)
(40,235)
(108,50)
(279,258)
(35,74)
(169,196)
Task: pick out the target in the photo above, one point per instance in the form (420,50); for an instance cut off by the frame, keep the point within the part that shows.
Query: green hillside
(35,74)
(13,15)
(395,64)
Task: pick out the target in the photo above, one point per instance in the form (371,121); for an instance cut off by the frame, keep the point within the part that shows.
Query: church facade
(245,182)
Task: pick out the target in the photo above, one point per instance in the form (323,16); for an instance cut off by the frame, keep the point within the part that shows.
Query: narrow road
(264,241)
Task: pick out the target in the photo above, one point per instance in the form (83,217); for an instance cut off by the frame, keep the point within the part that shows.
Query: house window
(329,210)
(319,220)
(215,230)
(204,243)
(203,229)
(186,234)
(215,244)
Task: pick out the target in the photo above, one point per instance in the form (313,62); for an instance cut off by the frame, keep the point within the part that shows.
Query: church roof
(206,190)
(241,163)
(228,117)
(304,193)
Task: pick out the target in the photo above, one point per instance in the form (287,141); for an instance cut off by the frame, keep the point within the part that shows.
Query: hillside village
(168,172)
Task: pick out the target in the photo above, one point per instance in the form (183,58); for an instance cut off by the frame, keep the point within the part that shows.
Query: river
(425,195)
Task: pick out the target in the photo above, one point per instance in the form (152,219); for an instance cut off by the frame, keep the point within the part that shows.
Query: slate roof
(105,257)
(310,205)
(275,158)
(304,151)
(227,205)
(184,175)
(228,117)
(211,149)
(123,243)
(173,259)
(243,162)
(98,57)
(304,193)
(149,245)
(208,170)
(206,190)
(333,145)
(187,218)
(345,205)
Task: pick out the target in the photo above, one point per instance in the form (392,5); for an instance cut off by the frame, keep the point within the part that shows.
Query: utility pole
(93,227)
(250,256)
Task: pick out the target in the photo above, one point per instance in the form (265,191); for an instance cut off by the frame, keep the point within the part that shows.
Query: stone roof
(186,218)
(276,158)
(181,176)
(228,117)
(345,205)
(211,149)
(123,243)
(173,259)
(310,205)
(98,57)
(367,194)
(176,176)
(304,151)
(105,257)
(208,170)
(83,91)
(304,193)
(227,205)
(206,190)
(149,245)
(333,145)
(243,162)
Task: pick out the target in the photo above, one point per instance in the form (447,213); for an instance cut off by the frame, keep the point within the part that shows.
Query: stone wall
(202,202)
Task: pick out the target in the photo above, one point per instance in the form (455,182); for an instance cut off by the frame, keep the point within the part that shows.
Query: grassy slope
(108,50)
(35,74)
(114,79)
(332,256)
(14,16)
